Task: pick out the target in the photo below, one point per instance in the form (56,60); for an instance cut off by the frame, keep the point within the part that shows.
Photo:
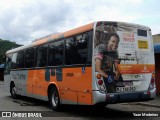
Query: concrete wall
(156,38)
(157,72)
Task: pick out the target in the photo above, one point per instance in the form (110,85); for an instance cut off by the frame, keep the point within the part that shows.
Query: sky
(23,21)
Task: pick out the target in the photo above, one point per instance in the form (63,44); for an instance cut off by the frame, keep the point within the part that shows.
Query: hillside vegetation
(4,46)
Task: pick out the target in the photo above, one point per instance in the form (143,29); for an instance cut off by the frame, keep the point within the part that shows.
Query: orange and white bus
(99,63)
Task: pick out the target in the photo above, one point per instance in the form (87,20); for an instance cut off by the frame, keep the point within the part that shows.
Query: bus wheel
(13,91)
(54,99)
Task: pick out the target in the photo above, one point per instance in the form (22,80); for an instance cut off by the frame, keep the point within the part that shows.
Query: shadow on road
(73,110)
(94,112)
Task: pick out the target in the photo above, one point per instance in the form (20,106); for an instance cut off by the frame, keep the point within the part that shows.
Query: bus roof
(75,31)
(53,37)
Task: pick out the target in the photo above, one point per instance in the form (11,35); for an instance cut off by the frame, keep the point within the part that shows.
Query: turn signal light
(98,76)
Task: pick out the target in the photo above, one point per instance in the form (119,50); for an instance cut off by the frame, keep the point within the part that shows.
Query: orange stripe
(65,34)
(78,30)
(135,68)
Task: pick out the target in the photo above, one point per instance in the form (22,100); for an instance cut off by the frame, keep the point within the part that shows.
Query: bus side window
(89,47)
(14,60)
(29,57)
(82,48)
(71,55)
(41,55)
(20,59)
(76,49)
(55,56)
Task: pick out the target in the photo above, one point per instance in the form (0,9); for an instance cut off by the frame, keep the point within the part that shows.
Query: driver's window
(7,67)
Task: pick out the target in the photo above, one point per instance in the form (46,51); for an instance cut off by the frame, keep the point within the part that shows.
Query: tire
(54,99)
(13,91)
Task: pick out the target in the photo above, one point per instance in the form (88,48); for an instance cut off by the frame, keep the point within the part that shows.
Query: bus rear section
(124,53)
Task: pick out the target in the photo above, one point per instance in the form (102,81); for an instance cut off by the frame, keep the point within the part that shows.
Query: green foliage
(4,46)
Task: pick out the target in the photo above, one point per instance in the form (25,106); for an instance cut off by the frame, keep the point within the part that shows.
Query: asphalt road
(26,104)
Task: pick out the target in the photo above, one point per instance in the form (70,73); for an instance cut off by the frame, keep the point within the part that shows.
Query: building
(156,38)
(156,41)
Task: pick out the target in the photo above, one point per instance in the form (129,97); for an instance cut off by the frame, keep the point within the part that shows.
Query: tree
(4,46)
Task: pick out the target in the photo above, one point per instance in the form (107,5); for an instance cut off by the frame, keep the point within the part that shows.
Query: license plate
(125,89)
(142,44)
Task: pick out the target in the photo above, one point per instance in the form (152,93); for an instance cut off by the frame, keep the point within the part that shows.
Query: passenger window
(14,60)
(29,58)
(71,55)
(55,56)
(76,50)
(20,59)
(82,48)
(41,55)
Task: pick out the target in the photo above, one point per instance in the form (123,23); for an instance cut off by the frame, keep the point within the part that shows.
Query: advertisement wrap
(124,54)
